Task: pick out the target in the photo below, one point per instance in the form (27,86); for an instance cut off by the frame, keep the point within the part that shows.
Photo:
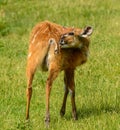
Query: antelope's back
(42,32)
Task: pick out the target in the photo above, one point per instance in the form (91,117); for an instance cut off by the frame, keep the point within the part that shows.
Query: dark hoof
(74,115)
(27,117)
(62,113)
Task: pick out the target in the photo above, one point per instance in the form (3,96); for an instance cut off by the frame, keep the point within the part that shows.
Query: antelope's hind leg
(52,76)
(30,71)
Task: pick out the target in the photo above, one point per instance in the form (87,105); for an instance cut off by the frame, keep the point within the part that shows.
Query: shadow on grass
(84,112)
(93,111)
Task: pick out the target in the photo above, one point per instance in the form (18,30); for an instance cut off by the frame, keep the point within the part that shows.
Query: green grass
(97,82)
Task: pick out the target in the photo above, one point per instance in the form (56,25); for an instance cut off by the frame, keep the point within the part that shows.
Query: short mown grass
(97,82)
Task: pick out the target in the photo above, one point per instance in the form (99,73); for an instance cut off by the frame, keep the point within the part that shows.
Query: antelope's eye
(71,33)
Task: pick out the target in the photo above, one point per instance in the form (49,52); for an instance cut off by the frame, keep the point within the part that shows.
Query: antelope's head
(76,38)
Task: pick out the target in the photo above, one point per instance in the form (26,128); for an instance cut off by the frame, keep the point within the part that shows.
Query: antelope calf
(72,47)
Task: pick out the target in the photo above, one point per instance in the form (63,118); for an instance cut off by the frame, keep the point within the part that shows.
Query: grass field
(97,82)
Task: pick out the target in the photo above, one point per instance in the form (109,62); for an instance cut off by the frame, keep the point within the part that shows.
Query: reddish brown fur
(41,54)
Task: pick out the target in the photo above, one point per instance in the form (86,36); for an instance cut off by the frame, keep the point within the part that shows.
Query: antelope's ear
(86,32)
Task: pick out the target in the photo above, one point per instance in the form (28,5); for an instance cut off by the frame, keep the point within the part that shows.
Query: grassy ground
(97,82)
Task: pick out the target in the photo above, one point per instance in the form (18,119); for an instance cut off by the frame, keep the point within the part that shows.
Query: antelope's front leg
(53,74)
(71,86)
(72,92)
(74,111)
(63,108)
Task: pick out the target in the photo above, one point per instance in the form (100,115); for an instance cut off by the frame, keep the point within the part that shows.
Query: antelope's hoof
(75,117)
(47,121)
(62,113)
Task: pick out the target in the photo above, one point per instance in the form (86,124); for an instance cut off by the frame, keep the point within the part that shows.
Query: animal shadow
(94,111)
